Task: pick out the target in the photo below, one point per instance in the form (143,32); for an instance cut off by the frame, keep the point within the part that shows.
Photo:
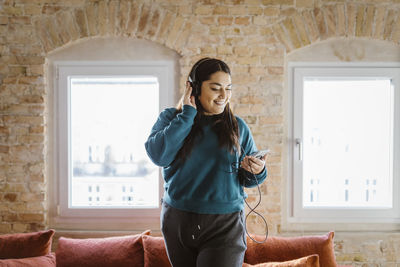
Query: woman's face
(215,93)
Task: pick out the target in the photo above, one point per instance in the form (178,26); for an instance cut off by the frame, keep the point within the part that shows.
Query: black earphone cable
(252,209)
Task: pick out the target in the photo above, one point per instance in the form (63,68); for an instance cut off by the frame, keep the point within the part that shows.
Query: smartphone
(259,154)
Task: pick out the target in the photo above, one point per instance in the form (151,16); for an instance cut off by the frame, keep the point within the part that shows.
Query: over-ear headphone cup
(195,89)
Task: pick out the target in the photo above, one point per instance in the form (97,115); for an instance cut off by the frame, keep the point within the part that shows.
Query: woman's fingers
(252,164)
(188,99)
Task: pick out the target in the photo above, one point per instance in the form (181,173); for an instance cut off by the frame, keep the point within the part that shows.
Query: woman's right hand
(188,98)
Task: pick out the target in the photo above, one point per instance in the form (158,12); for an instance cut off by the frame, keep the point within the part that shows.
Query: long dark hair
(225,124)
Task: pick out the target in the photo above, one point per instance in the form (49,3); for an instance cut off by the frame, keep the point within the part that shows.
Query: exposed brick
(379,22)
(246,60)
(208,20)
(204,10)
(330,18)
(154,24)
(320,21)
(123,15)
(278,2)
(70,25)
(173,34)
(5,227)
(221,10)
(144,17)
(341,20)
(301,28)
(102,17)
(133,18)
(224,50)
(290,28)
(165,26)
(31,217)
(113,7)
(396,30)
(260,20)
(238,10)
(42,32)
(311,26)
(254,10)
(51,9)
(272,11)
(369,19)
(183,36)
(242,20)
(32,9)
(281,35)
(80,20)
(11,197)
(92,18)
(305,3)
(390,20)
(351,19)
(360,20)
(4,149)
(225,20)
(19,227)
(19,20)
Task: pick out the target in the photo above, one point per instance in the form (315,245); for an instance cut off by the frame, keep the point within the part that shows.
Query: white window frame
(295,212)
(89,217)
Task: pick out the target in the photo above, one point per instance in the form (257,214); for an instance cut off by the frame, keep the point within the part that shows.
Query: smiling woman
(196,144)
(216,95)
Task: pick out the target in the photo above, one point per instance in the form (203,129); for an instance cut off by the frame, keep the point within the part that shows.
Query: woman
(199,144)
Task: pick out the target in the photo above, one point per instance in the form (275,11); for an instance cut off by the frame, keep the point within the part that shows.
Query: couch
(34,249)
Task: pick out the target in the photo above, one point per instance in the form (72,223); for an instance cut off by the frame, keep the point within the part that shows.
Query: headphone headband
(194,71)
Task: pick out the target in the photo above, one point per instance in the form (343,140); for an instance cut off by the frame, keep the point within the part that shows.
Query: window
(106,118)
(104,112)
(345,142)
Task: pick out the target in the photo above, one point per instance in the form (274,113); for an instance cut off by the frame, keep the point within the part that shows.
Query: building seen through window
(110,120)
(347,138)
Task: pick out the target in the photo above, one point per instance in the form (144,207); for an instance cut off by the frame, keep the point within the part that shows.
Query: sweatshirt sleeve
(248,146)
(168,134)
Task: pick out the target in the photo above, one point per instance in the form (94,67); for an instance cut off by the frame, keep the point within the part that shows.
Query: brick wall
(253,36)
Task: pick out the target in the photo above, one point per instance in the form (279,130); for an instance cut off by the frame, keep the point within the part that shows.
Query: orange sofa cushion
(278,249)
(309,261)
(155,254)
(48,260)
(25,245)
(101,252)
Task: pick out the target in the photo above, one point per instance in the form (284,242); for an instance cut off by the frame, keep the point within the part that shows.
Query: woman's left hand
(253,164)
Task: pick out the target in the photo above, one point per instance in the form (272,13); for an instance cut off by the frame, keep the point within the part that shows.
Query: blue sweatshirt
(205,181)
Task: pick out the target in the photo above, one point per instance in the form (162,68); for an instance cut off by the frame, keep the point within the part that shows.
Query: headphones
(196,85)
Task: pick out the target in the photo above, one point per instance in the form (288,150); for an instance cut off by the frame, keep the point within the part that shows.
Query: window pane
(347,137)
(110,119)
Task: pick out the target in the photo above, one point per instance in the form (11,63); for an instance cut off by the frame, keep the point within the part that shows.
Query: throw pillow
(25,245)
(101,252)
(289,248)
(309,261)
(48,260)
(155,254)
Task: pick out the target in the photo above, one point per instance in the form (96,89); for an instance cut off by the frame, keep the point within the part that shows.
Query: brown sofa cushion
(290,248)
(309,261)
(101,252)
(25,245)
(48,260)
(155,254)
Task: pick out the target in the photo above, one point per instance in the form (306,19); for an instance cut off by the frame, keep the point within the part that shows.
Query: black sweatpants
(203,240)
